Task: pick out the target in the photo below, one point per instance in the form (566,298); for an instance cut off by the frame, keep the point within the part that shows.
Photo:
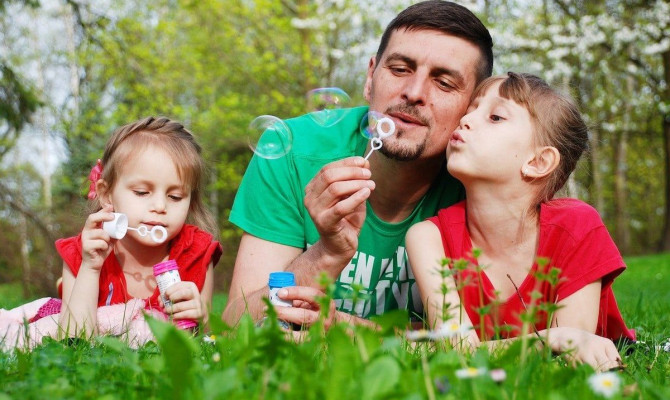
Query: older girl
(513,150)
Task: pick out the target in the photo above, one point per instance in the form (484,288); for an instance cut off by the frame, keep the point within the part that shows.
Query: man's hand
(306,308)
(335,199)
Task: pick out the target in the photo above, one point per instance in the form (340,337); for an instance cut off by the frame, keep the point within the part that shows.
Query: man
(324,209)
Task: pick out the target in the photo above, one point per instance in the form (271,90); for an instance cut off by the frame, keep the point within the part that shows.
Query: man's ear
(545,161)
(103,193)
(367,89)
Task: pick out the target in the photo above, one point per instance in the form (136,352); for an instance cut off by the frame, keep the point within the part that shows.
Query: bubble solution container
(167,274)
(277,281)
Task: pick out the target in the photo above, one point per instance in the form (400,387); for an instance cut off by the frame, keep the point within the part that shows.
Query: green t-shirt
(269,205)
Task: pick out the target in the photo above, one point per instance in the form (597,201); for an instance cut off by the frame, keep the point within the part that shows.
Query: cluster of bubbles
(271,138)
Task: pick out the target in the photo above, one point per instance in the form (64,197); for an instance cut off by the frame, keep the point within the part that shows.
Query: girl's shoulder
(570,214)
(194,245)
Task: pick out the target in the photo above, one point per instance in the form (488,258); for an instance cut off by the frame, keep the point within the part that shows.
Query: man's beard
(395,151)
(392,147)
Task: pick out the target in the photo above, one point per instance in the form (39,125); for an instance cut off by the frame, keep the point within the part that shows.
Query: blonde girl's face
(493,141)
(150,192)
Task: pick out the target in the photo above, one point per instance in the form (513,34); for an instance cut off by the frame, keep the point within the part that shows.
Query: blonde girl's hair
(556,121)
(174,139)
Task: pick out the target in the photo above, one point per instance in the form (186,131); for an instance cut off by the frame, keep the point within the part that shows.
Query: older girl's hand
(581,346)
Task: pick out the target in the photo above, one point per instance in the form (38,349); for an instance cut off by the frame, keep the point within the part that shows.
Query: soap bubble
(270,137)
(376,125)
(324,104)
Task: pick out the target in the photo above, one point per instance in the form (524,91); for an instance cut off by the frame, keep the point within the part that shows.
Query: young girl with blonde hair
(152,171)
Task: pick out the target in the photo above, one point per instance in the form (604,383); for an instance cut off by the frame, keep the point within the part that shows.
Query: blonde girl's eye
(496,118)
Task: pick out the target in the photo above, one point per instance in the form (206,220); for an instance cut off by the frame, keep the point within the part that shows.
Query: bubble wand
(384,127)
(118,228)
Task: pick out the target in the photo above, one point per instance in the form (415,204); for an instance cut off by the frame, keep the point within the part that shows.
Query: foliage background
(73,71)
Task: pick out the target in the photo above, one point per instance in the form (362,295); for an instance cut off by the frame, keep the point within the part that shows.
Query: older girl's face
(493,140)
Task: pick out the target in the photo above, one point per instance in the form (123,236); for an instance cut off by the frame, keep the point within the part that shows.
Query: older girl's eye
(174,197)
(140,192)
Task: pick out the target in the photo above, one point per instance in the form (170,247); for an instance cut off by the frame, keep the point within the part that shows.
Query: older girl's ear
(545,161)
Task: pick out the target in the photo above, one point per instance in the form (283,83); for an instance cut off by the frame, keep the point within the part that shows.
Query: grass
(250,362)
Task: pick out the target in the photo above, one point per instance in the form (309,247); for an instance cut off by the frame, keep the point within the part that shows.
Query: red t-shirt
(572,237)
(192,248)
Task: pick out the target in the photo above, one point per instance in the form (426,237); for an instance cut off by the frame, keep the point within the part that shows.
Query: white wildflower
(451,330)
(606,384)
(470,372)
(498,375)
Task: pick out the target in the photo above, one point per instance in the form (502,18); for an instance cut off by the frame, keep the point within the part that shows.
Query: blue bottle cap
(281,279)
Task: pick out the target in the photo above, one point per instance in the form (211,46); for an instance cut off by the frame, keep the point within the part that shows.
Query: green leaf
(380,377)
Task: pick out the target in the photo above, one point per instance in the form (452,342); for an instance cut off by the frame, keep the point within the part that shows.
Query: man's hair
(449,18)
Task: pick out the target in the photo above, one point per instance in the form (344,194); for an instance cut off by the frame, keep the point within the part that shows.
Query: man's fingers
(300,316)
(344,208)
(352,168)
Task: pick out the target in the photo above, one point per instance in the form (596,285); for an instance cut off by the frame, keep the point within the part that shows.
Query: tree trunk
(597,191)
(25,256)
(665,235)
(622,232)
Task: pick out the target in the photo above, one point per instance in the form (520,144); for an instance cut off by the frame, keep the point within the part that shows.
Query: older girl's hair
(555,118)
(181,146)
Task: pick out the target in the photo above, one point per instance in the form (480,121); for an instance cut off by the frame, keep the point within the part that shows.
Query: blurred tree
(610,53)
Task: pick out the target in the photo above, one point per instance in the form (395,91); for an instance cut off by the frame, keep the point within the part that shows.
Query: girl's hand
(186,301)
(585,347)
(96,243)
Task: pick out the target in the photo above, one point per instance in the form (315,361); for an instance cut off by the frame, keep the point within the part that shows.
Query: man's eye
(444,85)
(399,70)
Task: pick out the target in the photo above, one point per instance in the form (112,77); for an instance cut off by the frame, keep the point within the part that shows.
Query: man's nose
(415,89)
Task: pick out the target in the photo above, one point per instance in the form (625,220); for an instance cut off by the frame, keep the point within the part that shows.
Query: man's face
(423,81)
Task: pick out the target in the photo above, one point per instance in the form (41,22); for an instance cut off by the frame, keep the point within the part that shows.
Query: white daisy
(451,329)
(470,372)
(606,384)
(418,335)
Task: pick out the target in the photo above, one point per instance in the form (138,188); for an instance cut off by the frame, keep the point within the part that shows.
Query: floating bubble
(270,137)
(324,105)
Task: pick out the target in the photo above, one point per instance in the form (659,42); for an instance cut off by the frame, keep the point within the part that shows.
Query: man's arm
(256,259)
(335,199)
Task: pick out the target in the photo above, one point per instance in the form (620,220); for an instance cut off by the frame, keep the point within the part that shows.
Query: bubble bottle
(167,274)
(277,281)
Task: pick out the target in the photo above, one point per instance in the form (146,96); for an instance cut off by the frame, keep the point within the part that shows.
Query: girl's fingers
(182,291)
